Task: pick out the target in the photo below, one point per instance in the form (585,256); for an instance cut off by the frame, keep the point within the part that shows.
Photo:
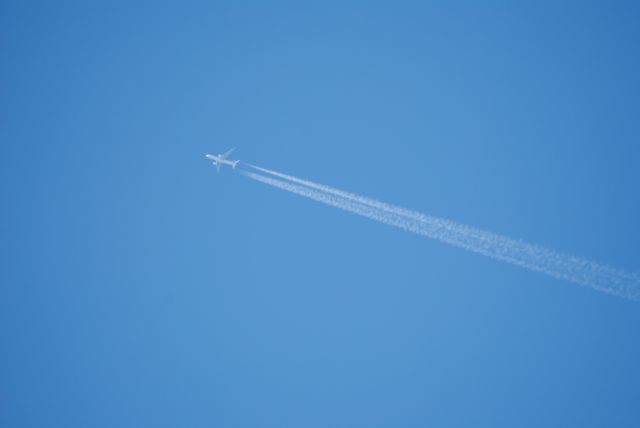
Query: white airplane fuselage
(220,160)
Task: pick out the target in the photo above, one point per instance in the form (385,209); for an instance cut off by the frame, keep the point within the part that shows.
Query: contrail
(580,271)
(448,224)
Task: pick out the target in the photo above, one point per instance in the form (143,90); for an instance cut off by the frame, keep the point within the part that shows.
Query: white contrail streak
(536,258)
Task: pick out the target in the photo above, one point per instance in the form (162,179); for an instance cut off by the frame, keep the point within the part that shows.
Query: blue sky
(139,288)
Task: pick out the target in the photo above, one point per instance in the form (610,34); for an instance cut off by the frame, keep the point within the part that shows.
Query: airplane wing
(227,153)
(218,165)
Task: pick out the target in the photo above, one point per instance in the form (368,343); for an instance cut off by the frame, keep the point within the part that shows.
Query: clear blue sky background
(138,288)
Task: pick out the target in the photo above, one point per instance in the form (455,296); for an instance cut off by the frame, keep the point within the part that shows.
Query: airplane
(222,160)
